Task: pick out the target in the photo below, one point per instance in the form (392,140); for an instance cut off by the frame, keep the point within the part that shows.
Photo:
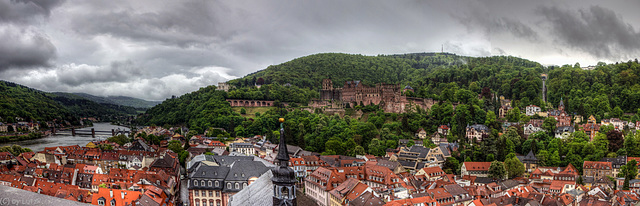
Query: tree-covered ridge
(31,104)
(117,100)
(606,91)
(34,105)
(200,109)
(309,71)
(83,107)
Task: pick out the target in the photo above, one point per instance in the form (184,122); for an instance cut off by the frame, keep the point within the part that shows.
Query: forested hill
(31,104)
(20,101)
(84,107)
(116,100)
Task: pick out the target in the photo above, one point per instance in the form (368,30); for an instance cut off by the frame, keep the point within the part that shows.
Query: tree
(513,115)
(497,170)
(411,143)
(617,112)
(615,140)
(490,158)
(243,111)
(549,125)
(452,164)
(359,150)
(514,167)
(629,172)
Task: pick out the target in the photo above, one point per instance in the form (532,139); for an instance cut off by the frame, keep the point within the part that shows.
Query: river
(66,140)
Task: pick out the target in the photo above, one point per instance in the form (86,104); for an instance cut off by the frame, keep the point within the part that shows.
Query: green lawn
(251,111)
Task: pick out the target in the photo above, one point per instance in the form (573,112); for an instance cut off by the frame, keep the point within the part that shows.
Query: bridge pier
(93,132)
(73,132)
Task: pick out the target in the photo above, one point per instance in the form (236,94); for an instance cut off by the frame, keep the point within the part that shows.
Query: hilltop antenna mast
(442,51)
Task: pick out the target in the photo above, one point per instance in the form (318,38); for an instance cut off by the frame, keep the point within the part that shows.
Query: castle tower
(327,93)
(327,84)
(561,105)
(284,180)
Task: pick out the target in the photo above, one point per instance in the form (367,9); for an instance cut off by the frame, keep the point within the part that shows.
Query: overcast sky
(153,49)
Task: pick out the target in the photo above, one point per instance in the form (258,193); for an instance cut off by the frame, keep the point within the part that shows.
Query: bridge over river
(82,136)
(91,131)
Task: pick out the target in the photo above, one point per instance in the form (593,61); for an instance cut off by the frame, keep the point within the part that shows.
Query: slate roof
(479,127)
(367,199)
(257,193)
(569,129)
(615,162)
(243,170)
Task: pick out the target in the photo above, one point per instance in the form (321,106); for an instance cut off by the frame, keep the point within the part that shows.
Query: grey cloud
(597,31)
(25,10)
(119,71)
(24,47)
(192,23)
(490,24)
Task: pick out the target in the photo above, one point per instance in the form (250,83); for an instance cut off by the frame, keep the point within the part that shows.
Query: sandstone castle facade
(388,96)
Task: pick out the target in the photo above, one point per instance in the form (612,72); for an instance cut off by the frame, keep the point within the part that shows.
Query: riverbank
(67,139)
(30,136)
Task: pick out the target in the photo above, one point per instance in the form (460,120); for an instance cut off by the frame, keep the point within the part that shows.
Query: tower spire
(284,180)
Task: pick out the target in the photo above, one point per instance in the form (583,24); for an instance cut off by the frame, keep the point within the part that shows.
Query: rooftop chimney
(111,193)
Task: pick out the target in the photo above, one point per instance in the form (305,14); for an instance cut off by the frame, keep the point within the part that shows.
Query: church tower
(284,180)
(561,106)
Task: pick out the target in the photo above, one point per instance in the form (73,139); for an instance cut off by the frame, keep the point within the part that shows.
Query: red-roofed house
(478,169)
(431,173)
(597,169)
(115,197)
(299,167)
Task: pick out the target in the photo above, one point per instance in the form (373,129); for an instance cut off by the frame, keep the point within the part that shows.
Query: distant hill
(20,101)
(120,100)
(84,107)
(32,104)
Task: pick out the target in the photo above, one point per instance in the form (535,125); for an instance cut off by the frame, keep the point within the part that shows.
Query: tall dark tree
(615,140)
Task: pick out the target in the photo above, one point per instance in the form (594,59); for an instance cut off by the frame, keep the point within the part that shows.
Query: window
(229,185)
(204,194)
(217,193)
(285,192)
(237,186)
(209,183)
(196,193)
(195,182)
(210,193)
(202,183)
(217,184)
(113,202)
(197,202)
(244,185)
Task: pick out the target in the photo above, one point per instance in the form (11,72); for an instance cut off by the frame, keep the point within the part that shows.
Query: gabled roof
(477,166)
(597,165)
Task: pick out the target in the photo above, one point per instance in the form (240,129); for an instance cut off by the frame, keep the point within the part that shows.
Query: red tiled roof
(477,166)
(597,165)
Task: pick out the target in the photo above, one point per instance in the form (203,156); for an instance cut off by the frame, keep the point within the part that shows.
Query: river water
(66,140)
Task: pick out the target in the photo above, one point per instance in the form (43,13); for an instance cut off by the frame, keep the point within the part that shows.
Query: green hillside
(117,100)
(31,104)
(20,101)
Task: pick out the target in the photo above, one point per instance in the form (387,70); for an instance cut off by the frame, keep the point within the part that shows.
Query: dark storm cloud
(24,47)
(75,75)
(491,24)
(597,31)
(192,23)
(25,10)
